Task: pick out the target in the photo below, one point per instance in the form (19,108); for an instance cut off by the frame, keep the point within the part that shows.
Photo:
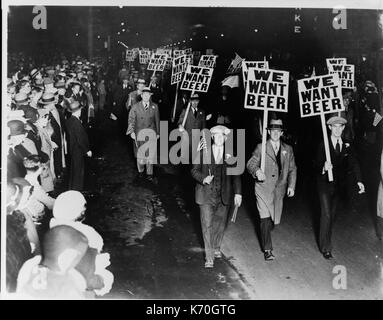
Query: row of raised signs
(268,89)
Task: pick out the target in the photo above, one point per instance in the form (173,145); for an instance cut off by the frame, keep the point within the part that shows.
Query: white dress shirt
(218,153)
(276,146)
(334,141)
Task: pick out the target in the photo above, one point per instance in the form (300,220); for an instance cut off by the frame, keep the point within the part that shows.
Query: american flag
(235,65)
(377,119)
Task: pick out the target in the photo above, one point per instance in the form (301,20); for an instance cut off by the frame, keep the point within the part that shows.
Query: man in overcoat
(78,147)
(144,118)
(270,186)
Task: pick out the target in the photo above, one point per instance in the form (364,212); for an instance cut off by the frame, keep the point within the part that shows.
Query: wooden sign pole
(326,146)
(187,110)
(175,103)
(264,136)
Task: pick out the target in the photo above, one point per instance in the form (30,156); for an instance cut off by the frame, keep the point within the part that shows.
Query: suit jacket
(230,184)
(78,138)
(345,166)
(120,97)
(193,122)
(288,177)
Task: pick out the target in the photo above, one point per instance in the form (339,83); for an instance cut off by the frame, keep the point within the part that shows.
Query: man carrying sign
(343,162)
(270,185)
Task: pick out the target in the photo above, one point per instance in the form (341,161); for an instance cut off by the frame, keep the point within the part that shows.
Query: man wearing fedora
(144,115)
(78,147)
(343,164)
(196,119)
(135,96)
(270,186)
(214,192)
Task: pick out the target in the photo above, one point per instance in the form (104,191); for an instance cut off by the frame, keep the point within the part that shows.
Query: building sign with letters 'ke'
(157,62)
(267,89)
(197,78)
(320,94)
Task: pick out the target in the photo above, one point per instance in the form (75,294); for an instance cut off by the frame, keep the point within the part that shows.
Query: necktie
(146,106)
(337,146)
(218,156)
(276,149)
(194,112)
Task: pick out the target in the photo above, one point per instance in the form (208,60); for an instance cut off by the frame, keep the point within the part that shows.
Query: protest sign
(188,51)
(129,55)
(179,66)
(197,78)
(319,96)
(346,73)
(168,52)
(207,61)
(266,90)
(178,53)
(169,63)
(144,57)
(252,64)
(337,61)
(157,62)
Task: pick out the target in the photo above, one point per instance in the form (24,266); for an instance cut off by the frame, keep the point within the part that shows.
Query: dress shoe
(327,255)
(269,255)
(209,264)
(217,254)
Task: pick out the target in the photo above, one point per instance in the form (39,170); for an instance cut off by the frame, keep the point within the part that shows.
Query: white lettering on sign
(197,78)
(267,89)
(321,94)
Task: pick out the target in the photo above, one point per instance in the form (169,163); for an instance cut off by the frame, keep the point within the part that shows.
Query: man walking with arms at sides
(270,186)
(144,115)
(343,163)
(214,193)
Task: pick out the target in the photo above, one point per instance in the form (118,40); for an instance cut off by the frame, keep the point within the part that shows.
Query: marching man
(144,115)
(270,186)
(214,193)
(344,163)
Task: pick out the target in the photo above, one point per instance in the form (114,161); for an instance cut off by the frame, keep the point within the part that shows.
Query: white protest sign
(157,62)
(267,89)
(197,78)
(252,64)
(332,61)
(169,63)
(188,51)
(129,55)
(168,52)
(321,94)
(207,61)
(318,96)
(178,53)
(160,51)
(346,73)
(179,66)
(144,57)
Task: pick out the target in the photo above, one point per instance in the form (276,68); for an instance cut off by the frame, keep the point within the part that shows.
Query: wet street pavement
(153,235)
(156,250)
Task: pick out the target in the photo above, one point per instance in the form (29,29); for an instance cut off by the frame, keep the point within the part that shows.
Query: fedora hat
(275,124)
(146,89)
(47,98)
(194,96)
(21,97)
